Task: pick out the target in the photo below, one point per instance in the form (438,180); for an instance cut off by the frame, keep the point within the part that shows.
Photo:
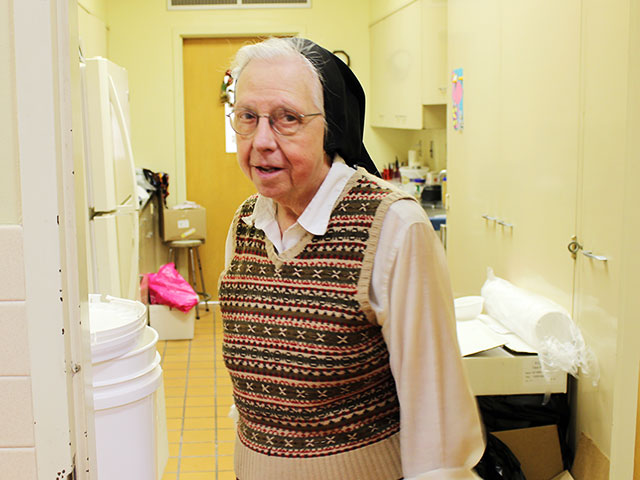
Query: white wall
(10,178)
(17,442)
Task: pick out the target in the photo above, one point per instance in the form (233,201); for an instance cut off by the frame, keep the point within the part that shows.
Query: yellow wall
(143,38)
(10,210)
(92,27)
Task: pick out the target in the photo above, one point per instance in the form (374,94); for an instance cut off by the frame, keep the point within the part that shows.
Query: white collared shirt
(440,431)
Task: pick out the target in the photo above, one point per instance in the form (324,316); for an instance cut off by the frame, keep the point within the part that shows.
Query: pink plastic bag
(168,287)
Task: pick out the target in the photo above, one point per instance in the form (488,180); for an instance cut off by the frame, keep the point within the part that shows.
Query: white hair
(275,47)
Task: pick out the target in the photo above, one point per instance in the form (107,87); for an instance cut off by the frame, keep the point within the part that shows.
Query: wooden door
(214,179)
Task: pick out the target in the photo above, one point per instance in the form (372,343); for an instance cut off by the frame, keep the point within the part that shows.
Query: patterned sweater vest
(309,367)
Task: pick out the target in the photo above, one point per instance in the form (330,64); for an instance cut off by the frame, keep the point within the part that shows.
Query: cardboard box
(184,224)
(498,372)
(564,476)
(589,463)
(172,324)
(537,449)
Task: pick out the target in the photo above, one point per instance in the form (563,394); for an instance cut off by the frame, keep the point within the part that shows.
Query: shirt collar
(315,218)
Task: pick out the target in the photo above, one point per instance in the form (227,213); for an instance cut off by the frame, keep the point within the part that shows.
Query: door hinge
(75,368)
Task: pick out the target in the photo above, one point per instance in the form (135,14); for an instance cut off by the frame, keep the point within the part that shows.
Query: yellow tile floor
(198,396)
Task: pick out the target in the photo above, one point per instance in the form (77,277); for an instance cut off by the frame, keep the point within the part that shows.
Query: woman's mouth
(267,169)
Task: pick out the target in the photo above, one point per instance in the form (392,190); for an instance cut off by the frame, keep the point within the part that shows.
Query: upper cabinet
(396,69)
(384,8)
(408,62)
(435,75)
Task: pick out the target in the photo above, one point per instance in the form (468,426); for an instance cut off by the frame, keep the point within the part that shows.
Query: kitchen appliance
(431,194)
(111,180)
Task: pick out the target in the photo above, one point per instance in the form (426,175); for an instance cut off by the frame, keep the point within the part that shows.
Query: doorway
(214,179)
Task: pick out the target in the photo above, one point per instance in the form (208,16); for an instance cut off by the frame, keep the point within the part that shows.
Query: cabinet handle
(487,217)
(505,224)
(595,257)
(574,246)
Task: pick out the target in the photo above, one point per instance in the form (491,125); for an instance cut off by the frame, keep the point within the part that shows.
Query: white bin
(126,374)
(125,421)
(134,361)
(116,325)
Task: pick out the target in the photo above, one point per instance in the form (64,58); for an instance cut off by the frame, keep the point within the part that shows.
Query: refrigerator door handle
(133,270)
(113,96)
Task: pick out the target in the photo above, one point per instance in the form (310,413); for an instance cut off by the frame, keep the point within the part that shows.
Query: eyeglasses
(282,121)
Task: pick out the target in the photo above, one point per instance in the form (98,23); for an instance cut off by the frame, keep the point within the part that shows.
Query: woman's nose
(264,136)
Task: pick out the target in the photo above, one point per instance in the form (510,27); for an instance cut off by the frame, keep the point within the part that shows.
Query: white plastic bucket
(136,360)
(125,420)
(116,325)
(126,374)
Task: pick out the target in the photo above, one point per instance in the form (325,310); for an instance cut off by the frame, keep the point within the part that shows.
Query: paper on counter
(511,340)
(484,333)
(474,336)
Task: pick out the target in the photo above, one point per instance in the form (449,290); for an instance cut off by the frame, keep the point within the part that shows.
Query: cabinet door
(435,75)
(539,133)
(608,227)
(396,70)
(516,159)
(382,8)
(474,163)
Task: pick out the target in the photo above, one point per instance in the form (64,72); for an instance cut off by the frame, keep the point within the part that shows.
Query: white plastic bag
(543,324)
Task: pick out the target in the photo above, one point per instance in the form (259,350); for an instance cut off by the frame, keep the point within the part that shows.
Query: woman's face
(288,169)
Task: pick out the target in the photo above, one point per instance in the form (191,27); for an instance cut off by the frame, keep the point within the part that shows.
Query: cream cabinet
(550,114)
(607,227)
(408,63)
(433,37)
(512,170)
(383,8)
(396,69)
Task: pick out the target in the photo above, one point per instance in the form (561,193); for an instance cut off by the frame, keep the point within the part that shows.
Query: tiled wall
(17,445)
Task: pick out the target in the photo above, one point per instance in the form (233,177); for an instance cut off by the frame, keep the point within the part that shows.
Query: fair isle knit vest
(309,367)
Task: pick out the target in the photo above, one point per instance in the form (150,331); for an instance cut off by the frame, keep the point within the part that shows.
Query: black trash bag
(498,462)
(508,412)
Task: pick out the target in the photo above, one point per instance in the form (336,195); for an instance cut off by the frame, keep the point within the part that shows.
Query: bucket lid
(111,317)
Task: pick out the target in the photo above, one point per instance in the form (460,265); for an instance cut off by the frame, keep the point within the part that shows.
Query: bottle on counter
(443,183)
(417,185)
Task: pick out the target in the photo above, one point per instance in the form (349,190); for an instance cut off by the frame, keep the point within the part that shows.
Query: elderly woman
(339,333)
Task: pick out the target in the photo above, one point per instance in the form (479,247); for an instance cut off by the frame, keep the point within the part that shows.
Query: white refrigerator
(111,190)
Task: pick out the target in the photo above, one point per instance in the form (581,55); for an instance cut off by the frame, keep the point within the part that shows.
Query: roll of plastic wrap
(413,158)
(542,323)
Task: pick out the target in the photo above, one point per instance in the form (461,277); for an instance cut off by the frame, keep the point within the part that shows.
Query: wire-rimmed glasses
(283,121)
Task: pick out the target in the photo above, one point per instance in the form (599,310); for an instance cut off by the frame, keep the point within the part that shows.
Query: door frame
(177,36)
(52,176)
